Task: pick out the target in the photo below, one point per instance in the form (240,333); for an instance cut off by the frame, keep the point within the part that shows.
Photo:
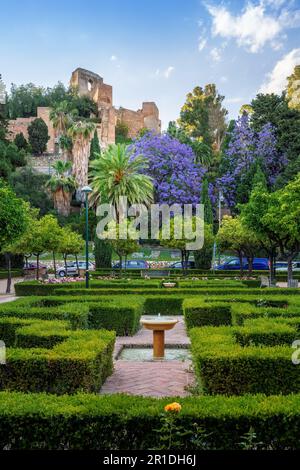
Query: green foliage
(122,130)
(102,253)
(30,185)
(225,367)
(38,136)
(95,149)
(21,142)
(14,216)
(57,360)
(198,313)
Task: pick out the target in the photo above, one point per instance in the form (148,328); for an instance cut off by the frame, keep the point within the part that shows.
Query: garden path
(151,378)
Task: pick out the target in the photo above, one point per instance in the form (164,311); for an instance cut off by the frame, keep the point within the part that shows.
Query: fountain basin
(159,325)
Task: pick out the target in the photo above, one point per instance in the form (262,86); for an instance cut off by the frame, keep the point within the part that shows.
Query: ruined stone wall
(16,126)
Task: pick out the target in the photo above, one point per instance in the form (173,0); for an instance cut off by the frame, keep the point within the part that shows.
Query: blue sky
(155,50)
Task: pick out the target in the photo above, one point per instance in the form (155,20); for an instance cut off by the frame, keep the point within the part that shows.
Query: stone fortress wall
(91,84)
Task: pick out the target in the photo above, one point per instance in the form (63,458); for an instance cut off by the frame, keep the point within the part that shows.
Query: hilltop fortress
(90,84)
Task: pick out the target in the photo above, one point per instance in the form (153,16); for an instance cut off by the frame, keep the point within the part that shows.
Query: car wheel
(61,273)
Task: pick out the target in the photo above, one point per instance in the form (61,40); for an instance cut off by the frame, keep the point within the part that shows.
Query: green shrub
(124,319)
(225,367)
(164,305)
(199,313)
(120,422)
(46,356)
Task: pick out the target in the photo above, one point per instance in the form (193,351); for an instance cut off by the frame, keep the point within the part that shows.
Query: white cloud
(215,54)
(202,43)
(168,71)
(163,73)
(253,28)
(113,58)
(223,79)
(276,80)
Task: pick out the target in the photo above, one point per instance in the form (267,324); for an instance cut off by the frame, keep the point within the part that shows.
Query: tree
(293,89)
(203,152)
(62,118)
(95,150)
(274,109)
(13,223)
(205,200)
(38,136)
(71,243)
(116,174)
(62,185)
(245,151)
(103,253)
(21,142)
(203,257)
(178,236)
(80,133)
(171,165)
(29,185)
(236,237)
(122,246)
(203,116)
(283,218)
(53,234)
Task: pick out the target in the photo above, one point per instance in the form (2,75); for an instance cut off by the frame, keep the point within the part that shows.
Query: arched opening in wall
(90,85)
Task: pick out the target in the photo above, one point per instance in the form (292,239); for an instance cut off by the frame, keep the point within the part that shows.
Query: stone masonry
(90,84)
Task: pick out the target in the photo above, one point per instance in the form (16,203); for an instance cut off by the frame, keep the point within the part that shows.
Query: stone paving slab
(151,378)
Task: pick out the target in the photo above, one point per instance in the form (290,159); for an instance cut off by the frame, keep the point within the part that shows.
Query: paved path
(3,283)
(151,378)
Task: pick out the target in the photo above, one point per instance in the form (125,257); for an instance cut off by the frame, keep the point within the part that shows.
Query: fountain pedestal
(159,325)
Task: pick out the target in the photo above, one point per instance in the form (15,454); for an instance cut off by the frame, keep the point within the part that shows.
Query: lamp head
(86,189)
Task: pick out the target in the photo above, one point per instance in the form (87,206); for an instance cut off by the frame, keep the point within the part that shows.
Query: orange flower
(173,407)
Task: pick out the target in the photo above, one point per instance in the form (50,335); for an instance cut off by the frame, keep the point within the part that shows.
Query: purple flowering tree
(245,153)
(176,176)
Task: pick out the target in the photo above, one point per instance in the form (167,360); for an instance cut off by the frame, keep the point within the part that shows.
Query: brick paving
(151,378)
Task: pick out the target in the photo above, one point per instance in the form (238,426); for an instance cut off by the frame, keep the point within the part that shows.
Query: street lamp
(86,190)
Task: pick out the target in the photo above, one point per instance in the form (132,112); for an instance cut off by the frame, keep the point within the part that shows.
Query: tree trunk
(62,202)
(77,265)
(250,265)
(120,259)
(290,269)
(241,264)
(272,259)
(37,266)
(65,263)
(8,264)
(125,259)
(54,263)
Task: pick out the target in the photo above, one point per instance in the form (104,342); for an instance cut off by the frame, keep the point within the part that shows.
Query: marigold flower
(173,407)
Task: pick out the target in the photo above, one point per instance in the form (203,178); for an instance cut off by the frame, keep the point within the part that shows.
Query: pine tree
(205,200)
(95,149)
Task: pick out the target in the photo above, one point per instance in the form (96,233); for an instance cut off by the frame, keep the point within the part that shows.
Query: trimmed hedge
(73,361)
(120,422)
(197,313)
(223,366)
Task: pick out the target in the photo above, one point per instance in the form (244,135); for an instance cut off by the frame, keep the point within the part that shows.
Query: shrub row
(118,422)
(49,357)
(223,366)
(120,314)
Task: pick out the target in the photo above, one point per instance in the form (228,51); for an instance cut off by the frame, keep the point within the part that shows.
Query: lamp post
(221,199)
(86,190)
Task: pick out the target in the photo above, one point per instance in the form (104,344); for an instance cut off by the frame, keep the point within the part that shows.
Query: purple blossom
(171,164)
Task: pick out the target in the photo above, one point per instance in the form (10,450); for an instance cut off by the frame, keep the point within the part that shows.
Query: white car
(72,268)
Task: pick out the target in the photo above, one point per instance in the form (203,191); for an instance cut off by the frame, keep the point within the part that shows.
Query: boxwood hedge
(118,422)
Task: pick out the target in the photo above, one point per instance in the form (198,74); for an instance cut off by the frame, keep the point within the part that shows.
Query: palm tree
(62,185)
(80,133)
(62,118)
(115,174)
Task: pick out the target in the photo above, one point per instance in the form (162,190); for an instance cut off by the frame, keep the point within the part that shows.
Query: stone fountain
(159,324)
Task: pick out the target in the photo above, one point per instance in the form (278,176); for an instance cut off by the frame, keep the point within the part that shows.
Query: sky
(153,50)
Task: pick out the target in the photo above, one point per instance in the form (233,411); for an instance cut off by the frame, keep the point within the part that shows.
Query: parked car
(132,264)
(178,265)
(296,266)
(281,266)
(259,264)
(33,266)
(72,268)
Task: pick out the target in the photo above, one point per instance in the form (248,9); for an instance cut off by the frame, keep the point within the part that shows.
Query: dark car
(32,266)
(132,264)
(259,264)
(178,265)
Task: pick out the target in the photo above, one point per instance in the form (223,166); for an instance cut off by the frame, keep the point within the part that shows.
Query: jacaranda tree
(171,165)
